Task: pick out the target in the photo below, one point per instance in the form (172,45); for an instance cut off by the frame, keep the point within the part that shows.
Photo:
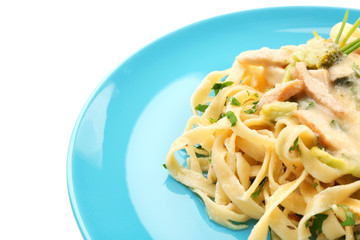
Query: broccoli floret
(319,53)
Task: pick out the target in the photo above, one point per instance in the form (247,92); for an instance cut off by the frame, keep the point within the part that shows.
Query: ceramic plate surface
(117,185)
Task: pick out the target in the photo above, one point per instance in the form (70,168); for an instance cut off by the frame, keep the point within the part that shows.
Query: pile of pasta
(244,166)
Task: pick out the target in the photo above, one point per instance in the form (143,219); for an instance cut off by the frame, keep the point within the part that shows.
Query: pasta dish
(277,138)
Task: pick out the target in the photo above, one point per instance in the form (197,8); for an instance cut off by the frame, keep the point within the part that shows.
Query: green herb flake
(248,92)
(250,111)
(234,102)
(295,146)
(209,160)
(212,121)
(218,86)
(318,222)
(334,124)
(256,95)
(350,220)
(226,101)
(315,185)
(259,189)
(311,104)
(198,155)
(164,165)
(201,107)
(356,70)
(232,118)
(221,116)
(253,109)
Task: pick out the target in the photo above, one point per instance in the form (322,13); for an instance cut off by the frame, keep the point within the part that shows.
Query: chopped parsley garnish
(356,70)
(218,86)
(318,222)
(232,118)
(315,185)
(256,95)
(164,165)
(295,145)
(334,124)
(201,107)
(250,111)
(248,92)
(253,109)
(215,120)
(212,120)
(311,104)
(350,220)
(226,101)
(234,102)
(199,155)
(318,141)
(259,189)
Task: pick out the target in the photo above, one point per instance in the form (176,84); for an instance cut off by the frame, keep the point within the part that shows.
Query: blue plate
(117,185)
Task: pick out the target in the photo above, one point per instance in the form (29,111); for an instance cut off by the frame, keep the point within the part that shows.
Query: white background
(52,56)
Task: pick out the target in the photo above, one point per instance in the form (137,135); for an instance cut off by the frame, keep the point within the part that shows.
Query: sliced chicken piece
(330,137)
(318,90)
(322,75)
(342,69)
(274,75)
(281,92)
(267,57)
